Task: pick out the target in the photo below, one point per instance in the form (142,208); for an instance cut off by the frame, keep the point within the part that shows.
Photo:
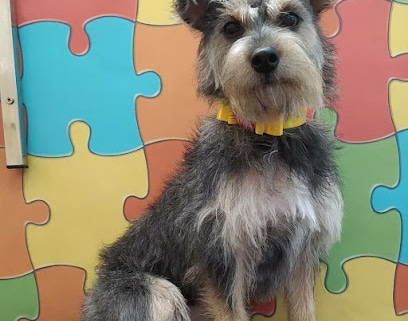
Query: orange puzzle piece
(61,292)
(162,159)
(170,51)
(330,22)
(15,214)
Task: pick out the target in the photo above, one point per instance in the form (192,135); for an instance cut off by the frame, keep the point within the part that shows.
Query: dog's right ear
(192,12)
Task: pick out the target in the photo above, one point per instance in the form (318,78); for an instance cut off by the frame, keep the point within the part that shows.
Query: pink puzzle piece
(365,69)
(266,309)
(75,13)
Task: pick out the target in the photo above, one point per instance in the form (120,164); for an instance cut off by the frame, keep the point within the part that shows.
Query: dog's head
(261,57)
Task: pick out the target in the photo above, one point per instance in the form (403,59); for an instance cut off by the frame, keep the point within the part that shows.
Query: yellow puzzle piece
(368,297)
(398,103)
(156,12)
(86,194)
(398,41)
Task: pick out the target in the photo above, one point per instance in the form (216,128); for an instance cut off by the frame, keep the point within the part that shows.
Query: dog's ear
(319,5)
(192,12)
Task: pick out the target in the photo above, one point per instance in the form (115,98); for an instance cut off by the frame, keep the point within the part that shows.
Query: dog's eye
(290,19)
(232,29)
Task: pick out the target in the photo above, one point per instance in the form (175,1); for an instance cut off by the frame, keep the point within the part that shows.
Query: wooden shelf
(10,88)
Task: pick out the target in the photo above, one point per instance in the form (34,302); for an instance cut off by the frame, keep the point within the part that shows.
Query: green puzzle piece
(365,233)
(19,298)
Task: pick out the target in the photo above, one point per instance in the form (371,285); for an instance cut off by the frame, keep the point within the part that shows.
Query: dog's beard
(296,84)
(257,102)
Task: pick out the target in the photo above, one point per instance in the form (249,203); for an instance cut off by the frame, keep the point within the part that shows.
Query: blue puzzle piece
(99,88)
(384,198)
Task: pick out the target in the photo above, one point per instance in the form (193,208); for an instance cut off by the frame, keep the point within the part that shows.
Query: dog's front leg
(299,296)
(217,306)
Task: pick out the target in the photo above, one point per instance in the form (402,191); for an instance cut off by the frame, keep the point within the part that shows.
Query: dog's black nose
(264,60)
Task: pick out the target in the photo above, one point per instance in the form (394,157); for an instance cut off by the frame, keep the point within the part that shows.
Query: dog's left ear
(192,12)
(319,5)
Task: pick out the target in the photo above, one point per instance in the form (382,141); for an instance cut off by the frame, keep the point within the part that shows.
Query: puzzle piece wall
(102,92)
(109,117)
(15,215)
(399,103)
(365,63)
(159,171)
(158,116)
(76,14)
(156,12)
(368,297)
(365,233)
(19,298)
(60,292)
(398,44)
(387,198)
(87,200)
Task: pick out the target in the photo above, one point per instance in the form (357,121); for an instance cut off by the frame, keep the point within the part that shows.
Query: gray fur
(305,76)
(246,216)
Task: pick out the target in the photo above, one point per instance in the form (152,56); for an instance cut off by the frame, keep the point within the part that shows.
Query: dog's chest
(253,201)
(265,219)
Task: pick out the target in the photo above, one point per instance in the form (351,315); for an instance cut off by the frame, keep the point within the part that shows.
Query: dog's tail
(134,296)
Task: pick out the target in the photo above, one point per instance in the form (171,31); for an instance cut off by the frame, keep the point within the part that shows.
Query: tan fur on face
(295,84)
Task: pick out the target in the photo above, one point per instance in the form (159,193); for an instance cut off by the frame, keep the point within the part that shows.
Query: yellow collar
(274,127)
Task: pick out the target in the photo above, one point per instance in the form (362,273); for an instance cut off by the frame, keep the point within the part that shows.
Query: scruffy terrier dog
(256,201)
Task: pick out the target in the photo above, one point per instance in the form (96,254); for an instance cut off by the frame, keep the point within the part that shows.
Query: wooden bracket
(10,88)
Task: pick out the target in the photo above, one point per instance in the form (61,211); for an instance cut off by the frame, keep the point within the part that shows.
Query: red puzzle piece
(365,69)
(266,309)
(76,13)
(401,289)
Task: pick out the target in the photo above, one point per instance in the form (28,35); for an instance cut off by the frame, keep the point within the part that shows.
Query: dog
(255,203)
